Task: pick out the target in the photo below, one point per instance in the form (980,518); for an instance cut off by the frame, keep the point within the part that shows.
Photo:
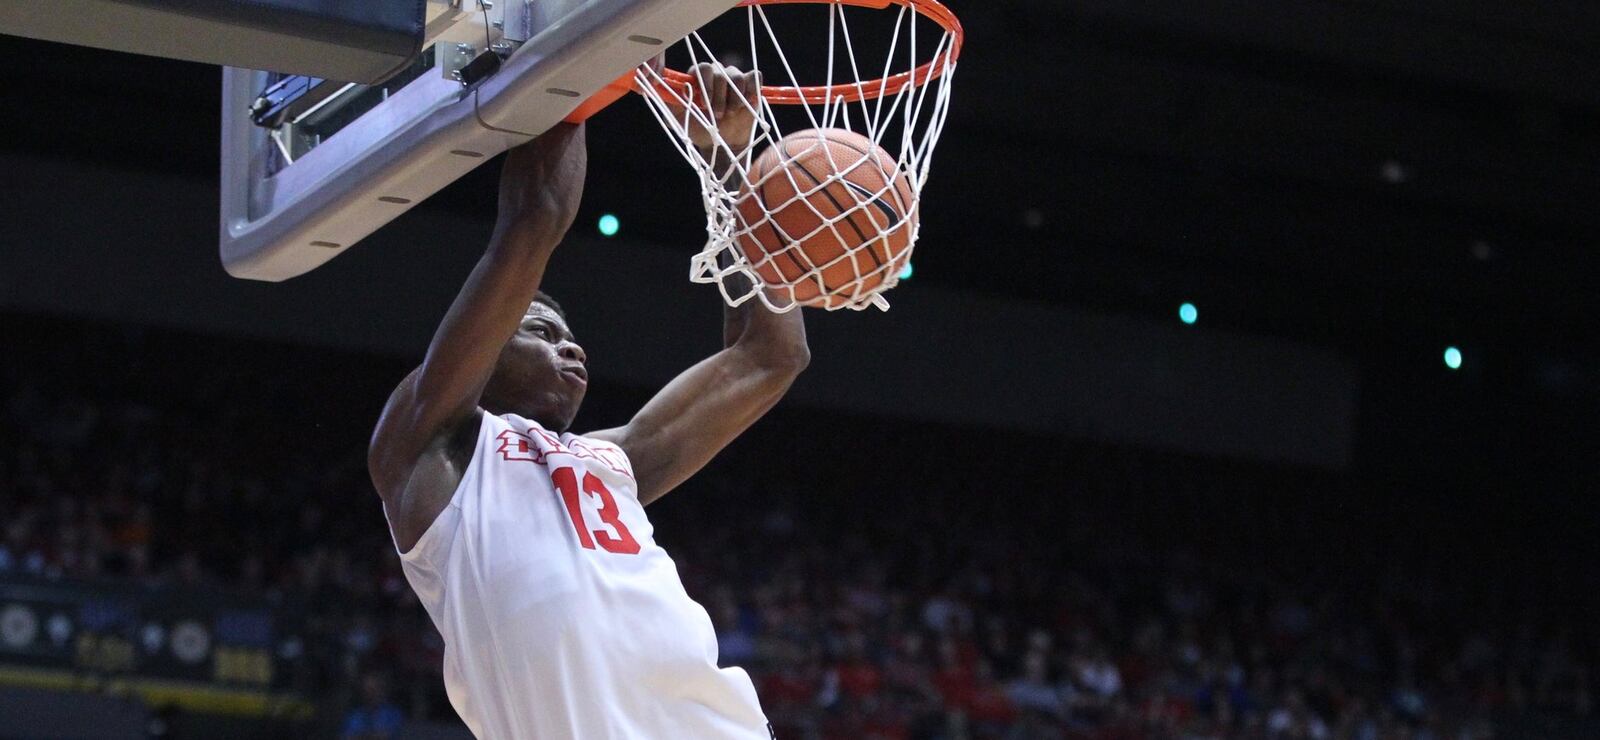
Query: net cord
(921,110)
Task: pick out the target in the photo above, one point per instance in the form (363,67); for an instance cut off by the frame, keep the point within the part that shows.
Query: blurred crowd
(877,582)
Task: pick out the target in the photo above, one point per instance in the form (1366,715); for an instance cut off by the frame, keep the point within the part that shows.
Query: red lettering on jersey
(567,483)
(608,456)
(622,542)
(552,440)
(518,447)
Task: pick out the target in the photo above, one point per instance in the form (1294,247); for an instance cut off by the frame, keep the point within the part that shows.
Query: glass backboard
(311,166)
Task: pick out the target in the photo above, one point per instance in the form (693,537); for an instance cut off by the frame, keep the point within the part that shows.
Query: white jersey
(561,616)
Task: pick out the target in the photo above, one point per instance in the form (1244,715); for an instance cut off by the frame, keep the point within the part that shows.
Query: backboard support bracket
(282,220)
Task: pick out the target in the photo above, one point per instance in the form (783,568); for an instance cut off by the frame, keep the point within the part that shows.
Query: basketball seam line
(874,201)
(784,244)
(889,182)
(865,242)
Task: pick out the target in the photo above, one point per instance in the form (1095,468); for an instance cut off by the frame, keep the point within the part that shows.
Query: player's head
(540,374)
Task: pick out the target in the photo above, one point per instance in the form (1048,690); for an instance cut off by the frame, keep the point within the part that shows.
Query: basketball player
(529,545)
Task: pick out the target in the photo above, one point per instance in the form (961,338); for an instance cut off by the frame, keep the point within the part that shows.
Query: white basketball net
(905,123)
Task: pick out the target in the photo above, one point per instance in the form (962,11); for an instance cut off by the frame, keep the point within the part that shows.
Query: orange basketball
(820,214)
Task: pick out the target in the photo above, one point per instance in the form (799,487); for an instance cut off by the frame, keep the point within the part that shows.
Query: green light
(1188,314)
(609,225)
(1452,358)
(906,273)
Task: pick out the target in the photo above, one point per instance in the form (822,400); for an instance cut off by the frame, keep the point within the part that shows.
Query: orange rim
(851,92)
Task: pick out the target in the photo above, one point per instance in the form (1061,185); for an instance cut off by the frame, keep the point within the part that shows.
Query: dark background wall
(1375,181)
(137,247)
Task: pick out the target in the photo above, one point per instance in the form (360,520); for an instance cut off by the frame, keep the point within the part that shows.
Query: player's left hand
(727,97)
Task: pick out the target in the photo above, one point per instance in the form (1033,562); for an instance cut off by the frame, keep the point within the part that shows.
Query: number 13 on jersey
(613,536)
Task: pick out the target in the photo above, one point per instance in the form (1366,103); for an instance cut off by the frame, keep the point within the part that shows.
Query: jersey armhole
(432,536)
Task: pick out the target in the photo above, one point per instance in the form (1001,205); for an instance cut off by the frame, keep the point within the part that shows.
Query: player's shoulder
(591,442)
(416,492)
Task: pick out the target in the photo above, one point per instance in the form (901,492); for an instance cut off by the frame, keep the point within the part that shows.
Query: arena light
(1188,314)
(609,225)
(906,273)
(1452,358)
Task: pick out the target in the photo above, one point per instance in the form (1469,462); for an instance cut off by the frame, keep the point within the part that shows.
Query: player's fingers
(750,87)
(719,104)
(703,82)
(736,90)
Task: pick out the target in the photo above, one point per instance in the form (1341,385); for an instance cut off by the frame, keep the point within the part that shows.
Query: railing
(202,650)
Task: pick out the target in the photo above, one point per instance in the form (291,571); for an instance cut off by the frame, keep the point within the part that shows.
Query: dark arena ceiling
(1383,178)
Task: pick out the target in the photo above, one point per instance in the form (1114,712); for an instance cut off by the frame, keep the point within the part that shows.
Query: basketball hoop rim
(851,92)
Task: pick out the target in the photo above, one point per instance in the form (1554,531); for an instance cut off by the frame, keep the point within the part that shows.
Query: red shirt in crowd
(859,679)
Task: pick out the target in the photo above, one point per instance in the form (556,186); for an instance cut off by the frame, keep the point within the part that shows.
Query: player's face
(540,374)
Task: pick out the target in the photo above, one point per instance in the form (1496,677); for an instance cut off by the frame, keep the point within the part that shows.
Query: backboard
(310,166)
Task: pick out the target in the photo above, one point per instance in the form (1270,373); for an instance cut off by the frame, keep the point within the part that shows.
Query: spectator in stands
(853,627)
(376,718)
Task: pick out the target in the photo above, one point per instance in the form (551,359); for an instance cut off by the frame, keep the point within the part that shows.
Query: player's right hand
(549,178)
(726,98)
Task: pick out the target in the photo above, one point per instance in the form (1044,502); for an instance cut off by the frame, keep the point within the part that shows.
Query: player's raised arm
(540,186)
(710,404)
(706,407)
